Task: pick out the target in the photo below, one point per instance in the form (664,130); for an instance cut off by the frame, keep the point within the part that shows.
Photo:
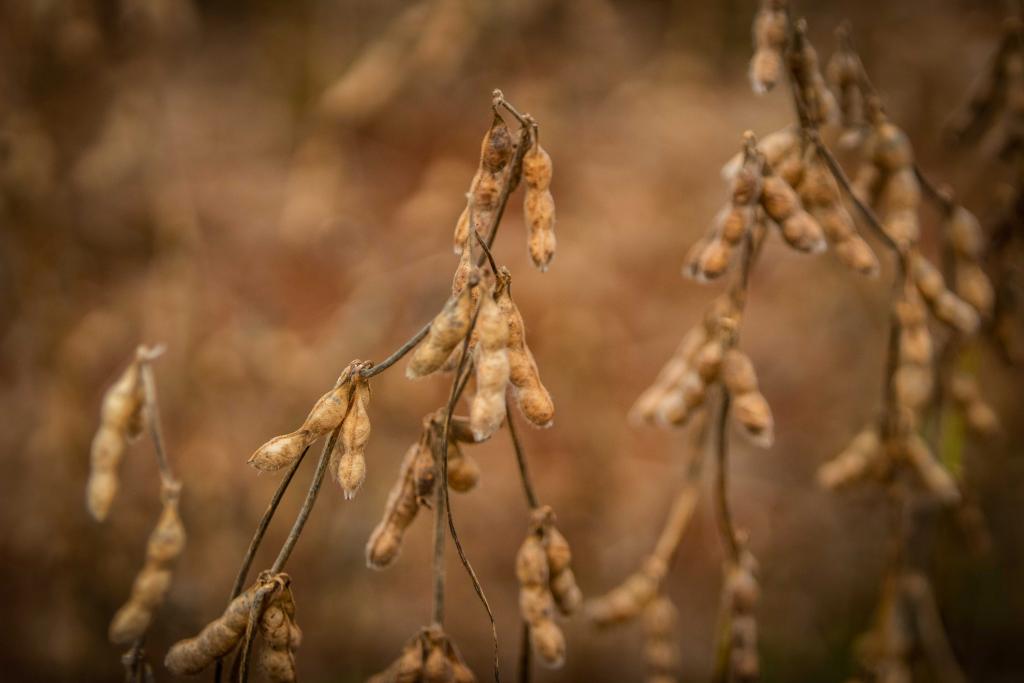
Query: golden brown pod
(152,583)
(448,328)
(935,478)
(627,600)
(769,35)
(539,205)
(281,636)
(463,471)
(854,462)
(528,391)
(190,656)
(327,413)
(354,435)
(121,419)
(491,365)
(385,542)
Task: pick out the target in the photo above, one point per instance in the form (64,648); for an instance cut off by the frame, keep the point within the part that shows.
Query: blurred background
(270,190)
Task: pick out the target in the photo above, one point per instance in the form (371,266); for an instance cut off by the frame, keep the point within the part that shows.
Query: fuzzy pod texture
(354,435)
(769,37)
(843,73)
(281,637)
(407,668)
(819,104)
(648,406)
(539,205)
(327,413)
(561,579)
(192,655)
(448,328)
(150,587)
(485,189)
(750,408)
(782,204)
(528,390)
(491,367)
(121,419)
(385,542)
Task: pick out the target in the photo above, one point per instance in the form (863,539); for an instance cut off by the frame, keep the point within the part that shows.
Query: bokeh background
(221,177)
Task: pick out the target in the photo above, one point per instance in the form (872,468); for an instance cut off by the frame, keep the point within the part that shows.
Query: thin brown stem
(146,356)
(405,348)
(440,532)
(524,468)
(487,252)
(307,505)
(728,532)
(525,672)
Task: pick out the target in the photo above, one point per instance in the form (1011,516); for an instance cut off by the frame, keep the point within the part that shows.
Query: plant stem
(405,348)
(524,468)
(307,505)
(728,532)
(440,532)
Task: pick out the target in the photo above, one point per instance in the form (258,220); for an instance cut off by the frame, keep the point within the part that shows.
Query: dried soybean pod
(491,365)
(769,35)
(190,656)
(529,392)
(628,599)
(437,668)
(463,471)
(460,430)
(152,583)
(645,408)
(447,329)
(386,540)
(661,651)
(538,203)
(424,471)
(121,419)
(327,413)
(407,668)
(738,372)
(854,462)
(355,433)
(276,659)
(536,603)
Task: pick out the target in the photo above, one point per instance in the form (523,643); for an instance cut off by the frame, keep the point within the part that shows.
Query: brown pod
(281,637)
(354,435)
(891,150)
(491,365)
(754,414)
(460,239)
(974,287)
(190,656)
(645,408)
(933,475)
(529,392)
(803,233)
(385,542)
(965,233)
(463,471)
(460,672)
(424,472)
(738,372)
(537,168)
(853,463)
(539,212)
(628,599)
(548,643)
(448,328)
(769,36)
(778,199)
(152,583)
(121,419)
(327,413)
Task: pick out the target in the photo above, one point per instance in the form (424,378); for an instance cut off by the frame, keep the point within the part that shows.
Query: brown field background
(168,175)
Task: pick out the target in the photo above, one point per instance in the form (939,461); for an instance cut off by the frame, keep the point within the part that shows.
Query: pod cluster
(267,605)
(122,420)
(428,657)
(546,582)
(150,587)
(705,357)
(343,408)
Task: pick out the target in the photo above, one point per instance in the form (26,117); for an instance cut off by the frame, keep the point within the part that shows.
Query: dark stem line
(525,672)
(524,467)
(153,414)
(487,252)
(457,389)
(440,533)
(941,196)
(257,539)
(307,505)
(726,528)
(405,348)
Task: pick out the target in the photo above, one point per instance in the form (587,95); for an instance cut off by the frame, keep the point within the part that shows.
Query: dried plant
(128,408)
(792,182)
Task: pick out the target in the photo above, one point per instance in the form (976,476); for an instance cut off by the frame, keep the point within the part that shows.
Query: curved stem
(405,348)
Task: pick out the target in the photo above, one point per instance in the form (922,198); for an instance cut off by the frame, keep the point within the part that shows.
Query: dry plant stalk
(129,406)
